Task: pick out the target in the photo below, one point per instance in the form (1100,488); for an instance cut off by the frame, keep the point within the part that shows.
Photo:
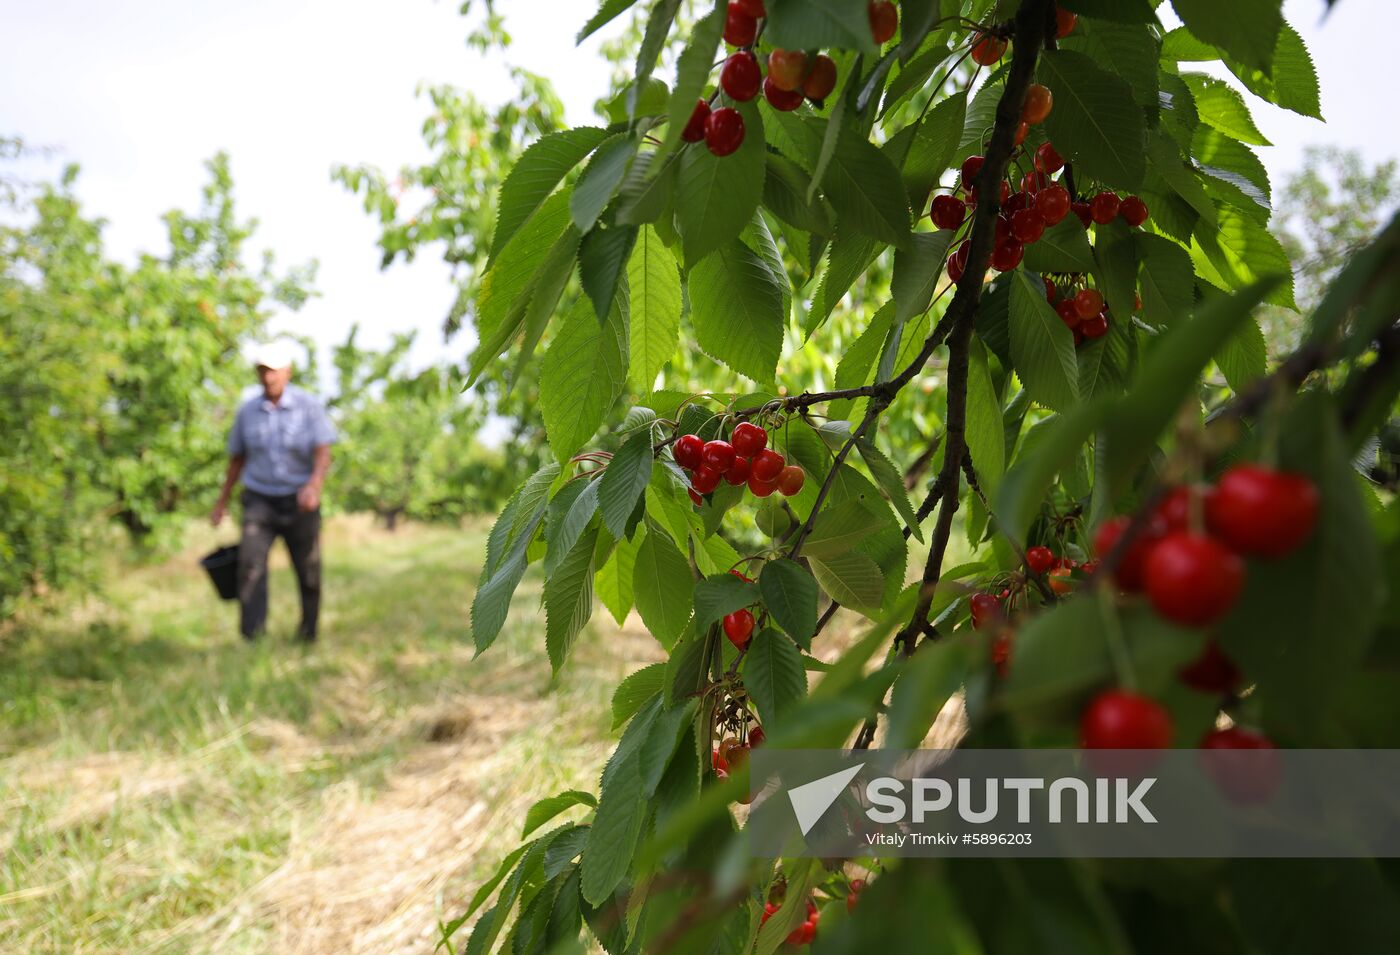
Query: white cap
(273,354)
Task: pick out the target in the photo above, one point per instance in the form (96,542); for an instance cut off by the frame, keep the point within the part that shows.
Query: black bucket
(222,568)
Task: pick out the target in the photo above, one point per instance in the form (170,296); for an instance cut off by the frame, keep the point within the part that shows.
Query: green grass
(167,788)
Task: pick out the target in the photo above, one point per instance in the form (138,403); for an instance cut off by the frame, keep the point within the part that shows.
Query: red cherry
(971,166)
(767,465)
(1089,302)
(738,473)
(1262,512)
(1193,579)
(718,455)
(947,212)
(1103,208)
(1003,228)
(1212,671)
(961,253)
(1173,511)
(1049,288)
(1060,580)
(753,8)
(1027,226)
(1068,313)
(756,736)
(695,498)
(760,488)
(1047,160)
(884,20)
(1081,209)
(1039,559)
(791,479)
(857,886)
(1131,571)
(741,76)
(1018,201)
(748,439)
(1134,211)
(783,100)
(809,932)
(786,69)
(719,764)
(988,50)
(705,479)
(1095,326)
(1039,101)
(1022,131)
(1033,182)
(985,609)
(1245,777)
(822,79)
(1064,22)
(1007,255)
(737,627)
(695,128)
(724,131)
(1119,719)
(1001,652)
(739,28)
(955,270)
(768,909)
(1053,203)
(689,451)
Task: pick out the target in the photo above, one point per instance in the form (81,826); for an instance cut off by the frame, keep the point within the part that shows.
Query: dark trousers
(266,518)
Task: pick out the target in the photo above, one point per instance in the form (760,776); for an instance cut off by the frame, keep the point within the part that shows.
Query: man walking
(280,444)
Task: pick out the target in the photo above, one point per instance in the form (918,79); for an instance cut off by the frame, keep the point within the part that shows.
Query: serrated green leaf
(570,512)
(692,73)
(654,288)
(891,481)
(602,256)
(1122,11)
(1247,29)
(1095,122)
(985,436)
(1042,348)
(1221,107)
(622,808)
(790,596)
(1219,154)
(719,595)
(917,270)
(852,579)
(624,481)
(613,582)
(600,180)
(663,16)
(545,290)
(855,180)
(934,146)
(838,529)
(539,169)
(662,587)
(737,308)
(1243,357)
(785,195)
(1064,247)
(635,690)
(1240,253)
(608,11)
(815,24)
(568,598)
(1166,161)
(1166,279)
(847,258)
(583,373)
(774,676)
(1059,441)
(1128,49)
(551,806)
(716,195)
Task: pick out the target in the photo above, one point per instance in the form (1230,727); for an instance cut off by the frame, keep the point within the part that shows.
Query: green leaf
(1123,11)
(649,98)
(1228,159)
(654,286)
(785,195)
(815,24)
(852,579)
(985,436)
(737,308)
(545,290)
(624,481)
(774,676)
(1221,107)
(1243,357)
(662,586)
(1167,162)
(934,146)
(1115,266)
(602,256)
(551,806)
(891,481)
(663,17)
(607,12)
(1127,49)
(838,529)
(1023,491)
(692,73)
(857,185)
(1041,346)
(1242,252)
(1293,82)
(622,808)
(600,180)
(719,595)
(1246,29)
(716,195)
(847,259)
(790,596)
(539,169)
(1095,122)
(1064,247)
(835,127)
(917,269)
(568,599)
(613,582)
(635,690)
(582,374)
(1166,278)
(569,514)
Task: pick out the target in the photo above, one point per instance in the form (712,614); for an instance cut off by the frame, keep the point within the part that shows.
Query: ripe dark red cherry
(1212,671)
(753,8)
(1007,255)
(1068,313)
(739,28)
(1032,182)
(1262,512)
(748,439)
(1134,211)
(1064,22)
(695,497)
(1103,208)
(961,253)
(971,166)
(689,451)
(1002,228)
(767,465)
(719,455)
(738,473)
(737,627)
(947,212)
(783,100)
(724,131)
(1096,326)
(756,736)
(822,78)
(1039,102)
(1047,160)
(1039,559)
(1081,209)
(786,69)
(760,488)
(1119,719)
(988,50)
(1053,203)
(1243,763)
(1193,579)
(695,127)
(1018,201)
(884,20)
(1027,226)
(791,479)
(955,268)
(1131,571)
(705,479)
(985,609)
(1089,302)
(741,76)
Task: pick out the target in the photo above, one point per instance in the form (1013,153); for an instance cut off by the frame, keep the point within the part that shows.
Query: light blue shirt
(279,441)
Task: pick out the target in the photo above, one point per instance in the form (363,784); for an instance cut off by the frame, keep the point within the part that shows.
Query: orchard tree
(1160,529)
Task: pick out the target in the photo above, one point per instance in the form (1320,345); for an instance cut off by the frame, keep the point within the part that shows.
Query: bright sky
(140,92)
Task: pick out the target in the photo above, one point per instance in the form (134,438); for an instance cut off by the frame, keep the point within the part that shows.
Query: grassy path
(166,788)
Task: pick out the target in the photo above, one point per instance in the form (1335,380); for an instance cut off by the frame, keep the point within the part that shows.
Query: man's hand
(309,497)
(217,516)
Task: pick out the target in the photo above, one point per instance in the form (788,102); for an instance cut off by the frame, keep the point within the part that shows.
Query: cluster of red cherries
(731,752)
(744,459)
(804,934)
(738,626)
(793,75)
(1084,311)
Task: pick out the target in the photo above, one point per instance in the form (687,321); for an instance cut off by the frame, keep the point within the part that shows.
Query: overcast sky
(140,92)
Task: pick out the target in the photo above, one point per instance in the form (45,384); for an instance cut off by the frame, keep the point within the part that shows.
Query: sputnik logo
(811,800)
